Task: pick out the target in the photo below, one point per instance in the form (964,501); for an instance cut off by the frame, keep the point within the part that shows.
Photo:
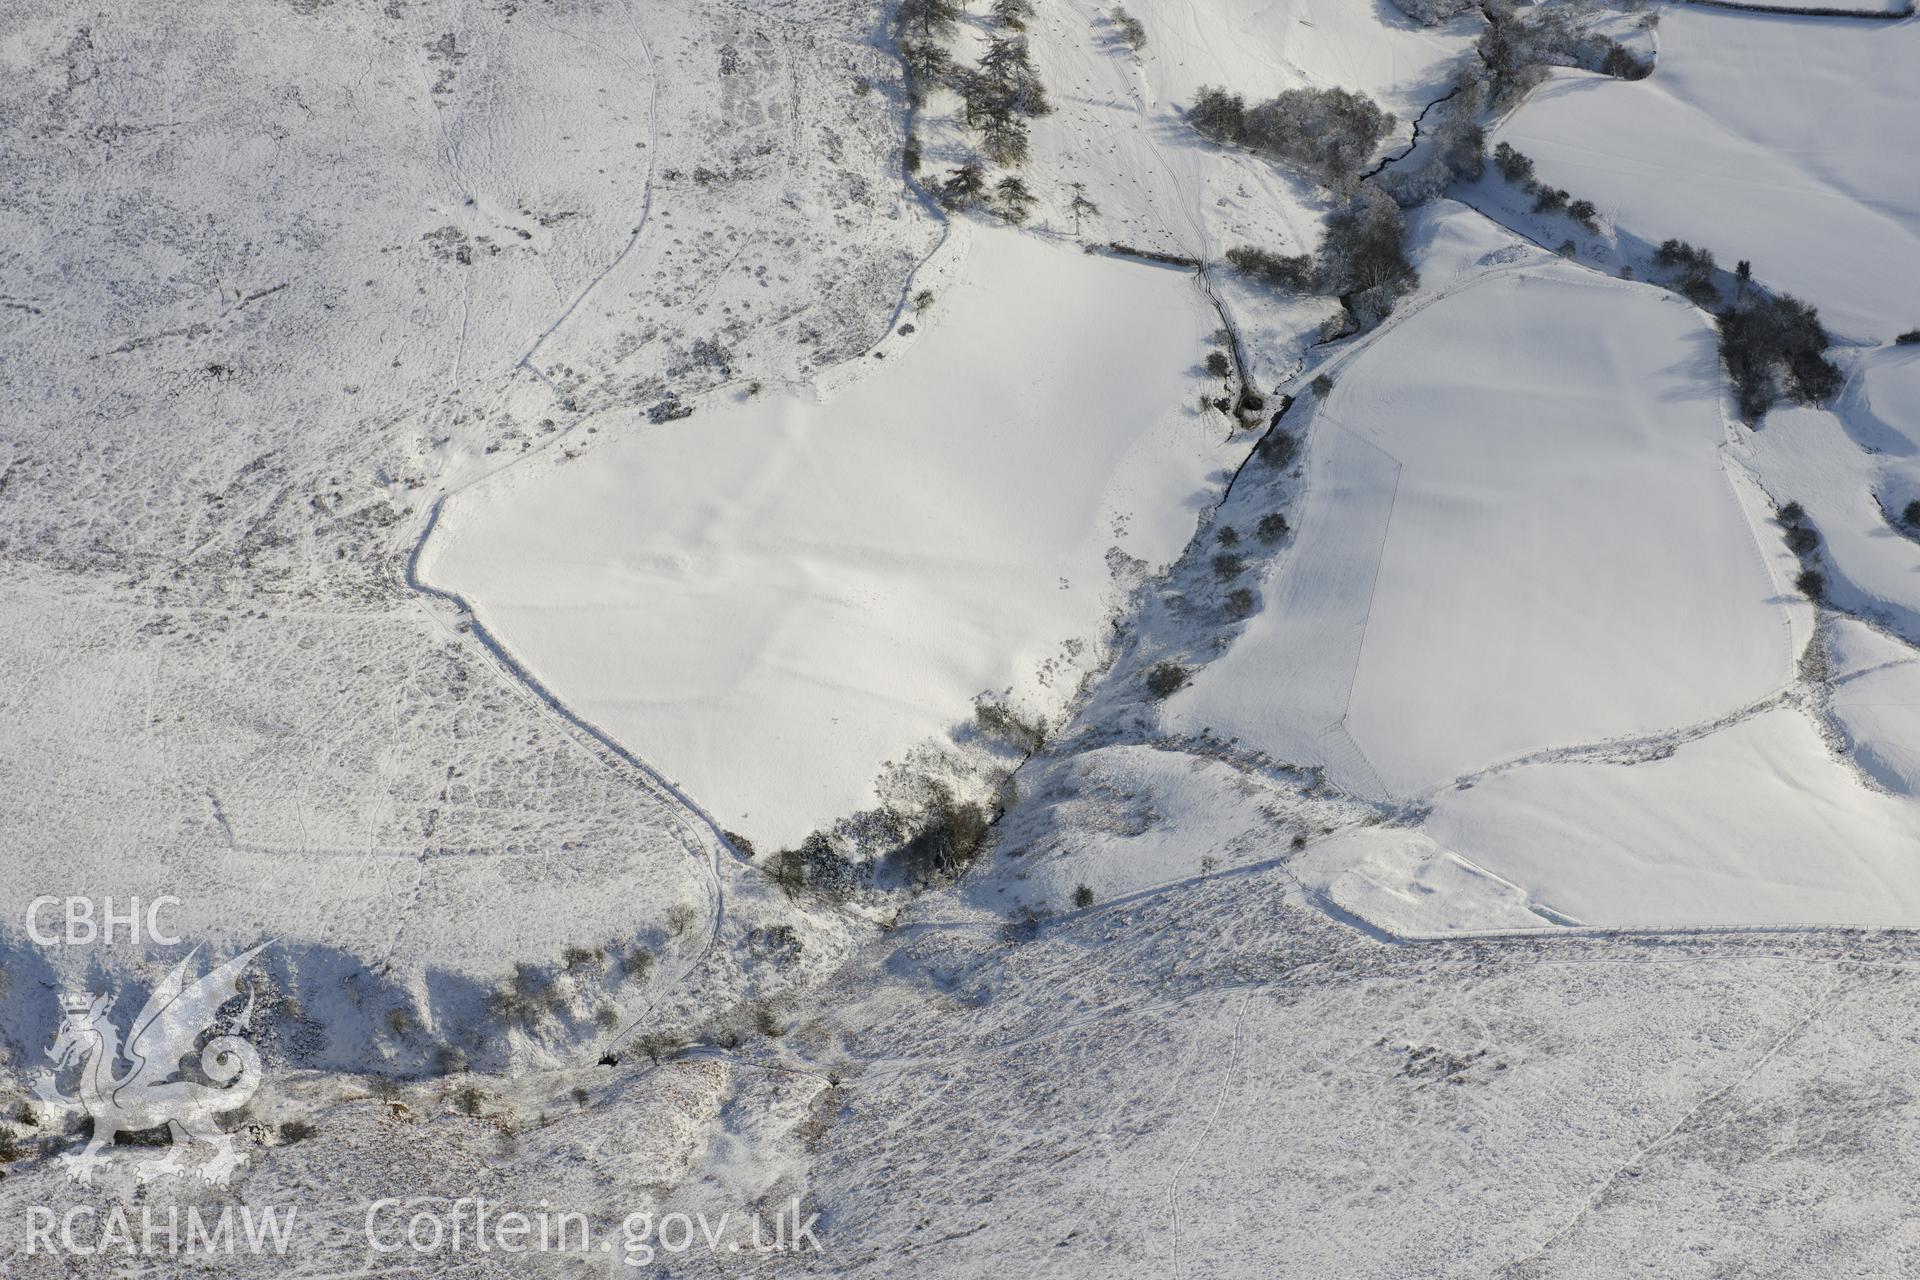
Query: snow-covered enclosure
(1874,8)
(275,276)
(1755,824)
(1875,702)
(1120,133)
(773,598)
(1536,591)
(1518,535)
(1786,141)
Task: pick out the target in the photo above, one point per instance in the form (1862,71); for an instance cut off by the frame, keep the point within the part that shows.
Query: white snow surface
(1880,714)
(773,598)
(278,280)
(1836,6)
(277,276)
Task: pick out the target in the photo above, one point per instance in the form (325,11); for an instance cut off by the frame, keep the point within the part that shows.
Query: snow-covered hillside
(275,280)
(1090,640)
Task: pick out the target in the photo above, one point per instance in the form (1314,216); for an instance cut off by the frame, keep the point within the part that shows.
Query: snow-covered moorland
(275,280)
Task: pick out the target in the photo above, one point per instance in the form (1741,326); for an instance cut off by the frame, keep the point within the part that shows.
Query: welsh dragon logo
(149,1092)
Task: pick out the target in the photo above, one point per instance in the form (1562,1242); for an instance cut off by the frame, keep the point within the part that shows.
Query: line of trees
(1517,167)
(1431,13)
(1772,344)
(1000,96)
(1448,144)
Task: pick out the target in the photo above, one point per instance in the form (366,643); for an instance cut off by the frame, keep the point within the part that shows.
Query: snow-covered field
(1538,601)
(1210,1080)
(1785,141)
(775,597)
(273,280)
(1894,8)
(1518,535)
(1755,824)
(1853,467)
